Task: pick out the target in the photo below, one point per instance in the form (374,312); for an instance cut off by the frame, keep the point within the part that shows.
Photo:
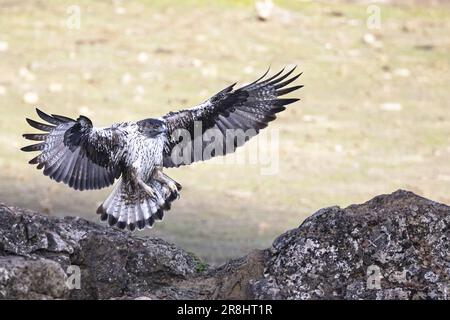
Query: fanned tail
(136,208)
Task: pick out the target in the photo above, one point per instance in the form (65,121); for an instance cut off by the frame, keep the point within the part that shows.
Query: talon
(172,186)
(166,180)
(150,191)
(147,189)
(167,205)
(173,196)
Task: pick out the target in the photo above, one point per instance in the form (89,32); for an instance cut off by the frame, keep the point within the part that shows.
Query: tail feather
(131,217)
(131,208)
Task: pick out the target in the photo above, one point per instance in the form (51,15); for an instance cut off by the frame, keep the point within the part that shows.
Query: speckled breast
(144,154)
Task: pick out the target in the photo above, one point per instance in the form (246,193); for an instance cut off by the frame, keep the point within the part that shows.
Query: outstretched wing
(74,152)
(243,111)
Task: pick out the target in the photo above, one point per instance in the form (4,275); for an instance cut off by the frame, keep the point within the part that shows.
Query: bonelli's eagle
(86,158)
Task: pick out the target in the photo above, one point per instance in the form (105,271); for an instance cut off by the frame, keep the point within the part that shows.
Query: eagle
(85,157)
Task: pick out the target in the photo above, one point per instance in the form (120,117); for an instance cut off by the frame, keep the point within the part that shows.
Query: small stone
(84,110)
(264,9)
(25,73)
(197,63)
(120,10)
(338,148)
(87,75)
(308,118)
(31,97)
(249,70)
(263,227)
(209,72)
(126,78)
(4,46)
(200,38)
(354,53)
(369,38)
(55,87)
(402,72)
(139,90)
(143,57)
(391,106)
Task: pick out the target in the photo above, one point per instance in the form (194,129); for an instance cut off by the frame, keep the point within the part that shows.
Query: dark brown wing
(228,119)
(74,152)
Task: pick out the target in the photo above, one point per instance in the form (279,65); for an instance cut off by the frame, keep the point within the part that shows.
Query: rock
(402,72)
(31,97)
(232,280)
(392,247)
(372,40)
(264,9)
(55,87)
(112,263)
(4,45)
(26,278)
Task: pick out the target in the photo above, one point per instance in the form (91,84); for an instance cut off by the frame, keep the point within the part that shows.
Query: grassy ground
(373,116)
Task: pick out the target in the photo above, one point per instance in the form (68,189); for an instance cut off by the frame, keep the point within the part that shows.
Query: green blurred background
(374,114)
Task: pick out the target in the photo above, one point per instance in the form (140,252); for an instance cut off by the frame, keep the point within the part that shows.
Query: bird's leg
(173,186)
(147,188)
(137,179)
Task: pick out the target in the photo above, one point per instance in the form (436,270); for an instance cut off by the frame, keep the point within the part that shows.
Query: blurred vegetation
(373,117)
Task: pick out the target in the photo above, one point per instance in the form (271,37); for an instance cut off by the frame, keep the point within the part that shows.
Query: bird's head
(152,127)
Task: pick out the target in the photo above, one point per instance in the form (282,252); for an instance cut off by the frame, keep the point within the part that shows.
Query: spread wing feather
(74,152)
(249,108)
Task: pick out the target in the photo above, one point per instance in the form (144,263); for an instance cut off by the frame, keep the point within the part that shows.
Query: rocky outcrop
(393,247)
(111,263)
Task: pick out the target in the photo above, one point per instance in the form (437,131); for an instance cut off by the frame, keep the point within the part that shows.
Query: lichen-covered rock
(112,263)
(232,280)
(27,278)
(392,247)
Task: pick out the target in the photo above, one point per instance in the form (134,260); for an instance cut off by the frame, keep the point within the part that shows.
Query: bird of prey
(85,157)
